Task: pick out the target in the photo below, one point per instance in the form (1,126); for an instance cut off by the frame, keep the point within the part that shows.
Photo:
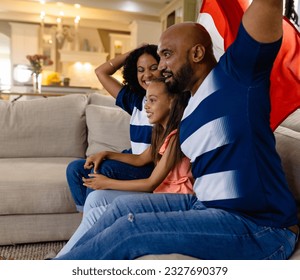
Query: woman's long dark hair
(130,67)
(159,134)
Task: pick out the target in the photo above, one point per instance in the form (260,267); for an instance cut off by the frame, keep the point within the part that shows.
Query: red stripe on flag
(227,16)
(285,76)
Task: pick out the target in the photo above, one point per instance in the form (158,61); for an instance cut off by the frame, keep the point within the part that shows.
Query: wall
(183,10)
(105,37)
(25,40)
(145,32)
(89,40)
(81,74)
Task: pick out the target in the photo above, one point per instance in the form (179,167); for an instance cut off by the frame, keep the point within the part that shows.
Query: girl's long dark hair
(130,67)
(179,102)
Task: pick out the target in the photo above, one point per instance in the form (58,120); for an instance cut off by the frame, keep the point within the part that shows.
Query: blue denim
(95,205)
(110,168)
(141,224)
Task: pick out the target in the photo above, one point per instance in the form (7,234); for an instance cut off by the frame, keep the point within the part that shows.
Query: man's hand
(96,182)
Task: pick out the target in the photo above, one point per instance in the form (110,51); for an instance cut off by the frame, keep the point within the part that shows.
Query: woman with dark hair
(132,71)
(139,68)
(171,174)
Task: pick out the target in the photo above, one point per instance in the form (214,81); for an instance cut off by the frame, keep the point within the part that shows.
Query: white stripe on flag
(218,42)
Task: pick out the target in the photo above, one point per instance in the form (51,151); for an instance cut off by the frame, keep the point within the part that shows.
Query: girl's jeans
(95,205)
(141,224)
(110,168)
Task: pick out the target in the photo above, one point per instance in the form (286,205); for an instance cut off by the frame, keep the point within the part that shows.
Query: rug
(32,251)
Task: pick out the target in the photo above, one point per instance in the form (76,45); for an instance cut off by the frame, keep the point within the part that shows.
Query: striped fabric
(140,128)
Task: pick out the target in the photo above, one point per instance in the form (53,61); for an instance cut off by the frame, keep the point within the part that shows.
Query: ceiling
(116,11)
(107,14)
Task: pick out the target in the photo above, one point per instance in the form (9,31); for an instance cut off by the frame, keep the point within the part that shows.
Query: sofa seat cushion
(16,229)
(34,186)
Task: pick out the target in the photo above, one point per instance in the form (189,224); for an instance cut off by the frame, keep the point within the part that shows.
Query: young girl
(140,67)
(172,170)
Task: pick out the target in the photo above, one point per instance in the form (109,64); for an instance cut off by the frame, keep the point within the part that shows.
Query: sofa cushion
(108,129)
(102,100)
(292,121)
(287,145)
(34,186)
(44,127)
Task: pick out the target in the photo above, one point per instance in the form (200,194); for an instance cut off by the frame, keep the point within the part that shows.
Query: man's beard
(180,81)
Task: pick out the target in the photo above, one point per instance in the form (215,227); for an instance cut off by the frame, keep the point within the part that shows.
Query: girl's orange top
(180,179)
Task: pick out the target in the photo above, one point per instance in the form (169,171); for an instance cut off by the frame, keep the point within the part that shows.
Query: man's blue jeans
(141,224)
(110,168)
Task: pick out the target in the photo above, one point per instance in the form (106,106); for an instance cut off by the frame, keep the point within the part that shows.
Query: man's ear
(198,52)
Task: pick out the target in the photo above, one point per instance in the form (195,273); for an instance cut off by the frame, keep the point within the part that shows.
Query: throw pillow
(108,129)
(44,127)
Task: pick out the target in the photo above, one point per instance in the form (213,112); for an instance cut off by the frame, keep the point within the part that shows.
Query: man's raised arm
(263,20)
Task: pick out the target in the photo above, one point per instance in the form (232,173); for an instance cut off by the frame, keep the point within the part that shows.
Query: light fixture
(64,34)
(76,25)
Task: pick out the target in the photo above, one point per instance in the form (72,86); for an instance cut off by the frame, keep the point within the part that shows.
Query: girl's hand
(94,161)
(96,182)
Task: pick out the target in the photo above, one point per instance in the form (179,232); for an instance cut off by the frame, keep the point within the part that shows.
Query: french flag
(222,20)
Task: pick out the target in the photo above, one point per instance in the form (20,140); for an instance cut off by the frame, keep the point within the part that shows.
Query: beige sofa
(38,138)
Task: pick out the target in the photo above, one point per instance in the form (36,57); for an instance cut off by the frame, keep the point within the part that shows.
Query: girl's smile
(158,104)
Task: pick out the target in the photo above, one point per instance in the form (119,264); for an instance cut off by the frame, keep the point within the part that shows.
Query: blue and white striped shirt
(140,128)
(225,131)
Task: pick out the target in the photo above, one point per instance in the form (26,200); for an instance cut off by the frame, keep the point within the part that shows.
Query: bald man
(243,208)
